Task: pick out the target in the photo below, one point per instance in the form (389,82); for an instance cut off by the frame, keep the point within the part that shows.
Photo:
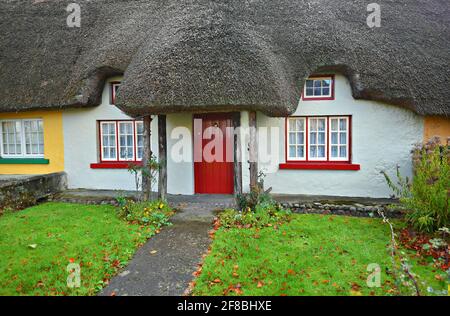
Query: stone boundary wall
(354,209)
(21,192)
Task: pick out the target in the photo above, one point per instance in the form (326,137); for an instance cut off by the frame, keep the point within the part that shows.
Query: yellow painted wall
(437,126)
(53,143)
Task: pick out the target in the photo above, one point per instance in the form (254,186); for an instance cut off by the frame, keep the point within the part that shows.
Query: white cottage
(305,92)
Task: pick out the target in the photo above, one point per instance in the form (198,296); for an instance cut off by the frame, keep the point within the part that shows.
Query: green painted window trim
(24,161)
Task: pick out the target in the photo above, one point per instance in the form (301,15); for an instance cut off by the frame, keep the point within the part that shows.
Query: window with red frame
(319,88)
(121,140)
(114,87)
(318,139)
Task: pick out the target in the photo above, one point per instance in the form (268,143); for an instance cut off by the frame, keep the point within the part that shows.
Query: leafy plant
(255,209)
(263,216)
(149,171)
(425,197)
(154,213)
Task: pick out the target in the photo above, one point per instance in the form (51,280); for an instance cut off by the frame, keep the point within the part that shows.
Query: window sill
(318,99)
(24,161)
(320,166)
(114,164)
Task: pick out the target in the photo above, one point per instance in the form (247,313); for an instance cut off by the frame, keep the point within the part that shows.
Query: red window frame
(325,164)
(309,98)
(116,163)
(112,92)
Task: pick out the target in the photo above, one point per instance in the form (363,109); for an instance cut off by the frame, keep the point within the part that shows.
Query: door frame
(237,163)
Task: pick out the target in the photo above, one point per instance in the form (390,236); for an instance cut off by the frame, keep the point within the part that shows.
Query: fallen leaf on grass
(32,246)
(153,252)
(260,284)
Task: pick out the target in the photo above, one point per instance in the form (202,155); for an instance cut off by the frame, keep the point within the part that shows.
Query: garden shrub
(256,210)
(151,213)
(425,197)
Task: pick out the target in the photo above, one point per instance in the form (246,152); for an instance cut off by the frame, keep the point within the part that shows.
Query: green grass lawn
(311,255)
(89,235)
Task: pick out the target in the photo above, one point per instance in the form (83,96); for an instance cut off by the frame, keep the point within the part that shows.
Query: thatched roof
(193,55)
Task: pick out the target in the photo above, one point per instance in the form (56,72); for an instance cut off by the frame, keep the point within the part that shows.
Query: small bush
(264,215)
(425,198)
(152,213)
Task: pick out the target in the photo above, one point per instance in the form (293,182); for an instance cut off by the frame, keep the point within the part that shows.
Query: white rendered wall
(81,146)
(180,172)
(382,137)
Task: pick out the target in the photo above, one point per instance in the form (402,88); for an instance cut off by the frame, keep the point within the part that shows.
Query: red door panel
(215,177)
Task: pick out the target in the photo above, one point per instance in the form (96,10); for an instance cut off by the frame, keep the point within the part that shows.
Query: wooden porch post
(253,150)
(146,157)
(162,141)
(237,155)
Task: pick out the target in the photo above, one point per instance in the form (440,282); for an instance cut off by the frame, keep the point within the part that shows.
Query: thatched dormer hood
(196,55)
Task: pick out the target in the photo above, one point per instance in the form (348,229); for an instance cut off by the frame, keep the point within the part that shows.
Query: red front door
(213,167)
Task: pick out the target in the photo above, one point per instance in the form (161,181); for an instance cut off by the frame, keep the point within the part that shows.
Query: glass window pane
(343,151)
(312,138)
(291,151)
(321,124)
(317,83)
(309,83)
(334,124)
(334,151)
(313,152)
(300,137)
(334,138)
(291,138)
(105,129)
(300,151)
(343,124)
(326,91)
(326,83)
(321,138)
(292,125)
(309,91)
(317,91)
(321,151)
(343,138)
(140,127)
(299,125)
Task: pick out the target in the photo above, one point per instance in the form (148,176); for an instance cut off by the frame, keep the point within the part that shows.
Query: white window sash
(296,158)
(330,93)
(113,92)
(23,153)
(136,139)
(133,140)
(117,146)
(101,140)
(347,131)
(325,132)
